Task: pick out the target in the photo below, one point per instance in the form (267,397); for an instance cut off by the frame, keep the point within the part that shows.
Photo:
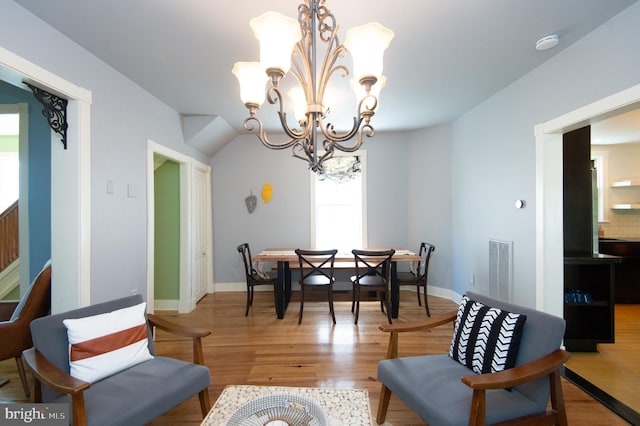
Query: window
(9,159)
(338,212)
(600,162)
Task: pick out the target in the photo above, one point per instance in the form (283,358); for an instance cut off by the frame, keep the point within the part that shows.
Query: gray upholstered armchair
(445,389)
(143,385)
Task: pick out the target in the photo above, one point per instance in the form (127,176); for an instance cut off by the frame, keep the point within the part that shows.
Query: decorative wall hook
(251,201)
(55,110)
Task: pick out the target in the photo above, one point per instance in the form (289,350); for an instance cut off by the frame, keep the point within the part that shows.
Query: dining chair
(253,277)
(419,277)
(373,273)
(316,271)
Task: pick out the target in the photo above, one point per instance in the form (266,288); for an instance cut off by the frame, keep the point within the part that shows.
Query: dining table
(286,260)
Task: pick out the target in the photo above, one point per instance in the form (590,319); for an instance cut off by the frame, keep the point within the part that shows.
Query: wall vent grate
(501,269)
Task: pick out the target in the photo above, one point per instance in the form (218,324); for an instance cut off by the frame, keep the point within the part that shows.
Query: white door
(202,277)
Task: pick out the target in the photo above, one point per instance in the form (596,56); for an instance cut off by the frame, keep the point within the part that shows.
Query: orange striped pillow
(102,345)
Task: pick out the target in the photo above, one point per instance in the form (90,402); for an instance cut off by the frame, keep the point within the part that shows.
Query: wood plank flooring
(614,368)
(262,350)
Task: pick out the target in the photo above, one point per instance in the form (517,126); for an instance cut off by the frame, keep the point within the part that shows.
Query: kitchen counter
(627,282)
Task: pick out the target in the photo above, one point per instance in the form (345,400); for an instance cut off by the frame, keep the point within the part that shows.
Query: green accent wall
(9,143)
(167,231)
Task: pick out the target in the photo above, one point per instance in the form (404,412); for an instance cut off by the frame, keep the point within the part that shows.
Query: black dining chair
(373,273)
(316,271)
(419,277)
(253,277)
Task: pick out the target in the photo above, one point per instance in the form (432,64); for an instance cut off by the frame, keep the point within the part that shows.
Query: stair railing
(9,236)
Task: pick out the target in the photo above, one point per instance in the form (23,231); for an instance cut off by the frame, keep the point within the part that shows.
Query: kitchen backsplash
(622,164)
(622,224)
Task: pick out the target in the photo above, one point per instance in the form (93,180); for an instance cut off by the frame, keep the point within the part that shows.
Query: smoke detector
(547,42)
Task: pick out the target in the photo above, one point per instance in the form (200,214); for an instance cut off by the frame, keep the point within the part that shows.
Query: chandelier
(290,47)
(340,169)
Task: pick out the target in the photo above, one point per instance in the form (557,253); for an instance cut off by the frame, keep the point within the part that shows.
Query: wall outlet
(472,279)
(134,291)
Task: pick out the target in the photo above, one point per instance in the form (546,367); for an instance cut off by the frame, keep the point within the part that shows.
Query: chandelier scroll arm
(330,134)
(275,96)
(262,135)
(359,132)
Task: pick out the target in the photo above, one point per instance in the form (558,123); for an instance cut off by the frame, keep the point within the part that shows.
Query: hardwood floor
(614,368)
(262,350)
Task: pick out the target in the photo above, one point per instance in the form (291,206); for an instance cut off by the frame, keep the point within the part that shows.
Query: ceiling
(621,128)
(446,57)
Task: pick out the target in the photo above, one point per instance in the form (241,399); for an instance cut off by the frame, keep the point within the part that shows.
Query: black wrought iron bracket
(55,111)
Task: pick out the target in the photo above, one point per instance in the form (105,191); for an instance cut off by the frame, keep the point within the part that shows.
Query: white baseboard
(445,293)
(237,287)
(165,305)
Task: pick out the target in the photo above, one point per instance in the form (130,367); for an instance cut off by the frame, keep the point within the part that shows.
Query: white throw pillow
(104,344)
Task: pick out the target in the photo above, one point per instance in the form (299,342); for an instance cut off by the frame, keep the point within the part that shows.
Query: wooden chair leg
(246,310)
(426,302)
(23,377)
(37,390)
(557,398)
(353,298)
(418,291)
(386,304)
(78,409)
(333,315)
(357,304)
(478,407)
(301,304)
(205,405)
(383,405)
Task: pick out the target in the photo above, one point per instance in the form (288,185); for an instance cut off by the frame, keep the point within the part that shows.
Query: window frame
(601,159)
(362,154)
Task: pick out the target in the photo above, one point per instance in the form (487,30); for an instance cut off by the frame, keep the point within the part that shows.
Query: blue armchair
(132,396)
(442,390)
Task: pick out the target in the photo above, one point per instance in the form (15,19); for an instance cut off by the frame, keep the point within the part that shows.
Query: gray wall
(429,204)
(245,165)
(123,116)
(454,185)
(493,148)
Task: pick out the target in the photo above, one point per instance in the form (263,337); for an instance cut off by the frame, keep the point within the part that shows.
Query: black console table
(589,286)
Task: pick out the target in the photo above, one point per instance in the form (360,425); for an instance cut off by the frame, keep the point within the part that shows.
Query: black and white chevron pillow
(486,339)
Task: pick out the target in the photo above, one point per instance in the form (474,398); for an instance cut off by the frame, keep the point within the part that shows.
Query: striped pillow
(102,345)
(486,339)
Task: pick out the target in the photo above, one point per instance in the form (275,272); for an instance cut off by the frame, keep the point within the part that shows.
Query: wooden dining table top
(289,255)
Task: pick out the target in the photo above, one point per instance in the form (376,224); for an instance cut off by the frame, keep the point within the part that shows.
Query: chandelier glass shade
(290,47)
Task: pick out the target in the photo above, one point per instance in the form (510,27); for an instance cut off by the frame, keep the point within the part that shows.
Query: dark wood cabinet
(627,286)
(589,279)
(589,301)
(577,193)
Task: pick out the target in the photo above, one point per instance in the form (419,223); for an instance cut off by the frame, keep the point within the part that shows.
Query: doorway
(12,137)
(549,197)
(70,184)
(167,233)
(195,236)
